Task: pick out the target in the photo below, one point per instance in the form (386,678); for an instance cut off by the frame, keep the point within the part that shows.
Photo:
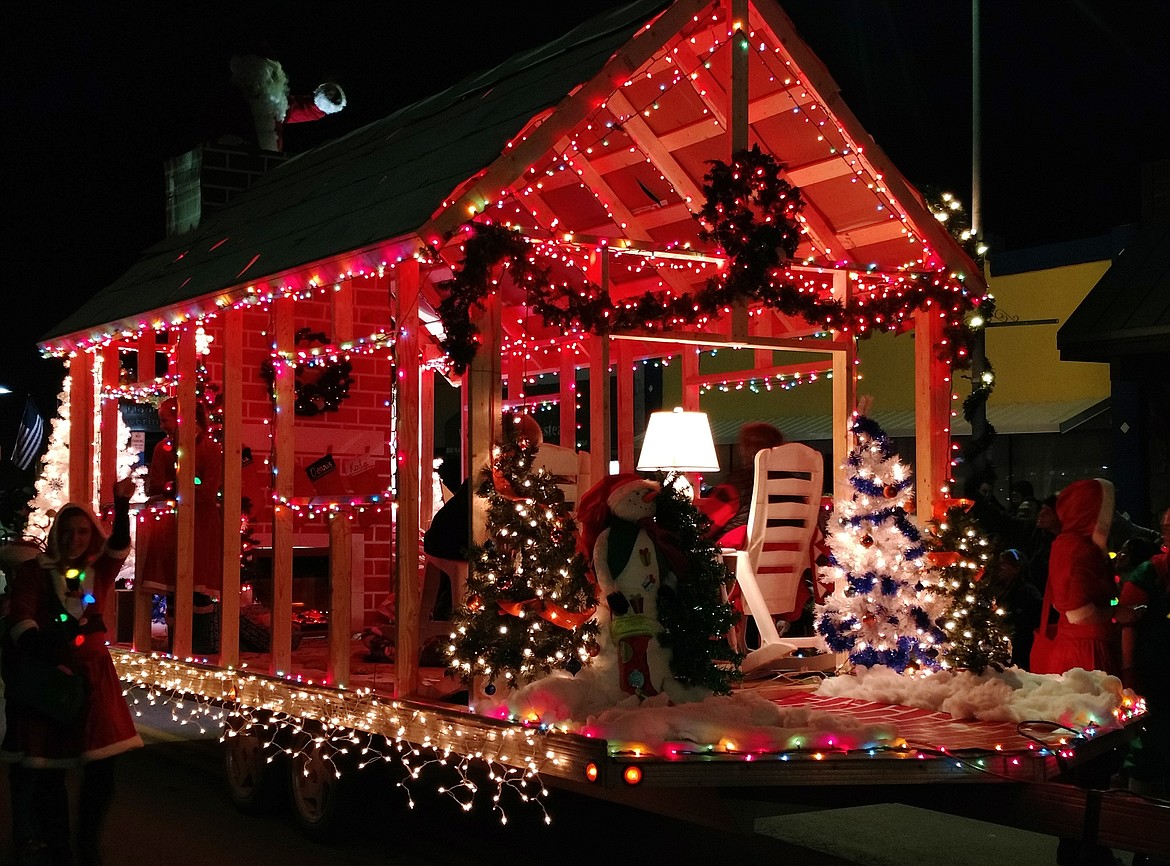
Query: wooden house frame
(595,149)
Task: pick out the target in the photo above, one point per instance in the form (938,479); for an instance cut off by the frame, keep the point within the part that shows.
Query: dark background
(1076,96)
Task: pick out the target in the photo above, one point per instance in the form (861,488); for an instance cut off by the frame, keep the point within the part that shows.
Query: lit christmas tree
(695,616)
(886,610)
(974,624)
(529,600)
(52,487)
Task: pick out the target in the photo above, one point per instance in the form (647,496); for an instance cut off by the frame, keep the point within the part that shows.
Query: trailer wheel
(315,791)
(252,780)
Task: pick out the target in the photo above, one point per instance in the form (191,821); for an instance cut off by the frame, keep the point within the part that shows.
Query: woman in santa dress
(57,606)
(1080,582)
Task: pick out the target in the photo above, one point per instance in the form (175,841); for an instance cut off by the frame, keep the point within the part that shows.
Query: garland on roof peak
(751,213)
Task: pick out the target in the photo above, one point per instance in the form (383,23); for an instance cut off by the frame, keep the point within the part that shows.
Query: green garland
(751,213)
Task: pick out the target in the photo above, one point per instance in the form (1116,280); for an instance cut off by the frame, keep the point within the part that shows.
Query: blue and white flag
(29,437)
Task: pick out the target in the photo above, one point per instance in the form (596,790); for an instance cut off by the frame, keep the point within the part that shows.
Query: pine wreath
(320,387)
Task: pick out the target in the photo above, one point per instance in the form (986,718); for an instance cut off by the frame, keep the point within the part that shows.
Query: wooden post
(341,525)
(690,373)
(844,395)
(143,598)
(233,490)
(284,458)
(932,413)
(599,409)
(625,406)
(740,54)
(108,474)
(406,466)
(186,356)
(426,445)
(568,405)
(340,572)
(81,428)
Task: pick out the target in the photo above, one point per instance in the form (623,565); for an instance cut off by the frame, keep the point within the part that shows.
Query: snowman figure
(630,574)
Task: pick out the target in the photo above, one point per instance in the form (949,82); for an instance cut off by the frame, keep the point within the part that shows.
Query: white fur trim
(112,749)
(323,102)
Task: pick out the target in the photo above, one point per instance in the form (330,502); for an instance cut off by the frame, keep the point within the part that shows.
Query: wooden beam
(599,407)
(340,614)
(740,55)
(110,444)
(724,341)
(186,358)
(143,598)
(690,374)
(625,406)
(871,157)
(568,404)
(646,141)
(873,233)
(844,396)
(284,463)
(406,466)
(571,111)
(698,131)
(770,372)
(81,428)
(233,486)
(811,173)
(932,413)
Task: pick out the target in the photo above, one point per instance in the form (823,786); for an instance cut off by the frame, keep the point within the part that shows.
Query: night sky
(1076,95)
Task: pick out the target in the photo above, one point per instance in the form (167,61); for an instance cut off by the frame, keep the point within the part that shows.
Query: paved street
(172,806)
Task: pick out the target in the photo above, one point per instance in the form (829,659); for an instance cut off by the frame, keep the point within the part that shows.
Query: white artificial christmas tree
(886,608)
(52,488)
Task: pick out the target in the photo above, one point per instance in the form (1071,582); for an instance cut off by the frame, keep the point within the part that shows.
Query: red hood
(1086,508)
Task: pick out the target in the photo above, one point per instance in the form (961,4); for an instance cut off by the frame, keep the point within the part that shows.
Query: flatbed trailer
(1045,778)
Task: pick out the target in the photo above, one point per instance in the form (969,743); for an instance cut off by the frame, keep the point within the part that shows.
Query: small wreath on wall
(321,385)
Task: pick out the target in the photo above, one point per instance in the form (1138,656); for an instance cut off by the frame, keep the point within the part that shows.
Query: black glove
(46,644)
(120,535)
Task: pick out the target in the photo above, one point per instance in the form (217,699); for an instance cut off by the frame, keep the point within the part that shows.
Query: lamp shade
(680,441)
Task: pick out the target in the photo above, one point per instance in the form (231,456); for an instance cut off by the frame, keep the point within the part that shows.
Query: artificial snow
(591,704)
(1075,699)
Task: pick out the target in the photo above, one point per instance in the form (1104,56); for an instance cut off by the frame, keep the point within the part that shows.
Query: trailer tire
(315,793)
(253,781)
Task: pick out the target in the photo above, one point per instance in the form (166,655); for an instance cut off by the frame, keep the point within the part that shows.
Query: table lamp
(678,442)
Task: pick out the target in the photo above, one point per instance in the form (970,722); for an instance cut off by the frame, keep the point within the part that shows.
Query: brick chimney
(205,179)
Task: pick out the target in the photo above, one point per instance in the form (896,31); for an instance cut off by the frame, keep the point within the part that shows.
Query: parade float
(666,180)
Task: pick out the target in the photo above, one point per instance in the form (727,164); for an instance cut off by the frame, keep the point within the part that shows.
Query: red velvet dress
(1079,574)
(38,595)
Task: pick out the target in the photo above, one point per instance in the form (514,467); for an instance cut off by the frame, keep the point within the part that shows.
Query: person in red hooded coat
(1080,582)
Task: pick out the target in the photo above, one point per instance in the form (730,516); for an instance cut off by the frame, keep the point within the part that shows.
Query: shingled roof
(375,184)
(606,132)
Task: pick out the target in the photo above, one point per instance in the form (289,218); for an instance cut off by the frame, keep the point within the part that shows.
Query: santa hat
(594,507)
(329,97)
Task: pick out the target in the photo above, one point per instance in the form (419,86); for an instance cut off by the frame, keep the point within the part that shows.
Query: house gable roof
(606,132)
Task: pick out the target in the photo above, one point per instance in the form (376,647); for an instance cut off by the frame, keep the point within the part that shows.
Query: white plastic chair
(571,470)
(786,496)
